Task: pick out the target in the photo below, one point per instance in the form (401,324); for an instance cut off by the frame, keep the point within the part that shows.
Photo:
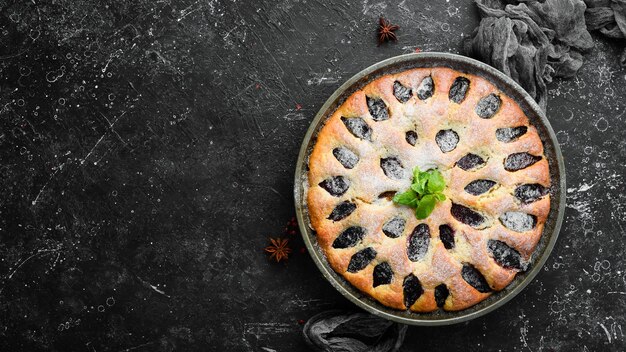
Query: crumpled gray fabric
(531,41)
(609,18)
(341,331)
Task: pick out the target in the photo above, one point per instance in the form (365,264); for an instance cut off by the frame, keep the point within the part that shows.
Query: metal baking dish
(537,119)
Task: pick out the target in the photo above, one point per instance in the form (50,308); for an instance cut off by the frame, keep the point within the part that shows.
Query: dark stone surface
(147,151)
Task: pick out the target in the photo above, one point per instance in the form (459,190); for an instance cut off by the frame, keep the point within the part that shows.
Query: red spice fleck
(302,250)
(292,227)
(418,50)
(298,107)
(301,321)
(258,86)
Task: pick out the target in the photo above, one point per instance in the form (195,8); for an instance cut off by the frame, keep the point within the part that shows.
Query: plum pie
(492,210)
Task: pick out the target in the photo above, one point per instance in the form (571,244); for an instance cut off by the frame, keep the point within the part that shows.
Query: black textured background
(147,151)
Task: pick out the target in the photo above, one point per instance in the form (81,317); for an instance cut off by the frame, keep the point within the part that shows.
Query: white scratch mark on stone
(60,167)
(187,13)
(112,56)
(39,252)
(294,116)
(45,251)
(524,332)
(258,329)
(82,161)
(229,32)
(320,78)
(583,188)
(151,286)
(298,304)
(580,206)
(367,8)
(242,91)
(112,129)
(138,347)
(158,291)
(608,335)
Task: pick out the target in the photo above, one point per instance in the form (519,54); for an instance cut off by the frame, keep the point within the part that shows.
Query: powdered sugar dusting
(346,157)
(447,140)
(426,88)
(392,168)
(394,227)
(518,221)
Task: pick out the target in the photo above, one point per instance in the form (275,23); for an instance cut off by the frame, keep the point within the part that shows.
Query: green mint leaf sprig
(426,190)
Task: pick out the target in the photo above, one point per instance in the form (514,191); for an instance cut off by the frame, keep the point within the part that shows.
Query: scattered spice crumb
(292,227)
(386,31)
(302,250)
(279,249)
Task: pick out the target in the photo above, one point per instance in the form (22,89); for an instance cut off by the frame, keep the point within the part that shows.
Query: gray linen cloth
(531,41)
(609,18)
(340,331)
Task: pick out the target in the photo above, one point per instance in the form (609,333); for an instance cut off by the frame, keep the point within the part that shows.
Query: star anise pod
(386,31)
(279,249)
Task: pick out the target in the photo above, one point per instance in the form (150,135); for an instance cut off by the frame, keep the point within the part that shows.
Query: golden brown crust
(367,181)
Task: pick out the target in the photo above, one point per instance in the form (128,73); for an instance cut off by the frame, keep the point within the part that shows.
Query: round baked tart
(495,201)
